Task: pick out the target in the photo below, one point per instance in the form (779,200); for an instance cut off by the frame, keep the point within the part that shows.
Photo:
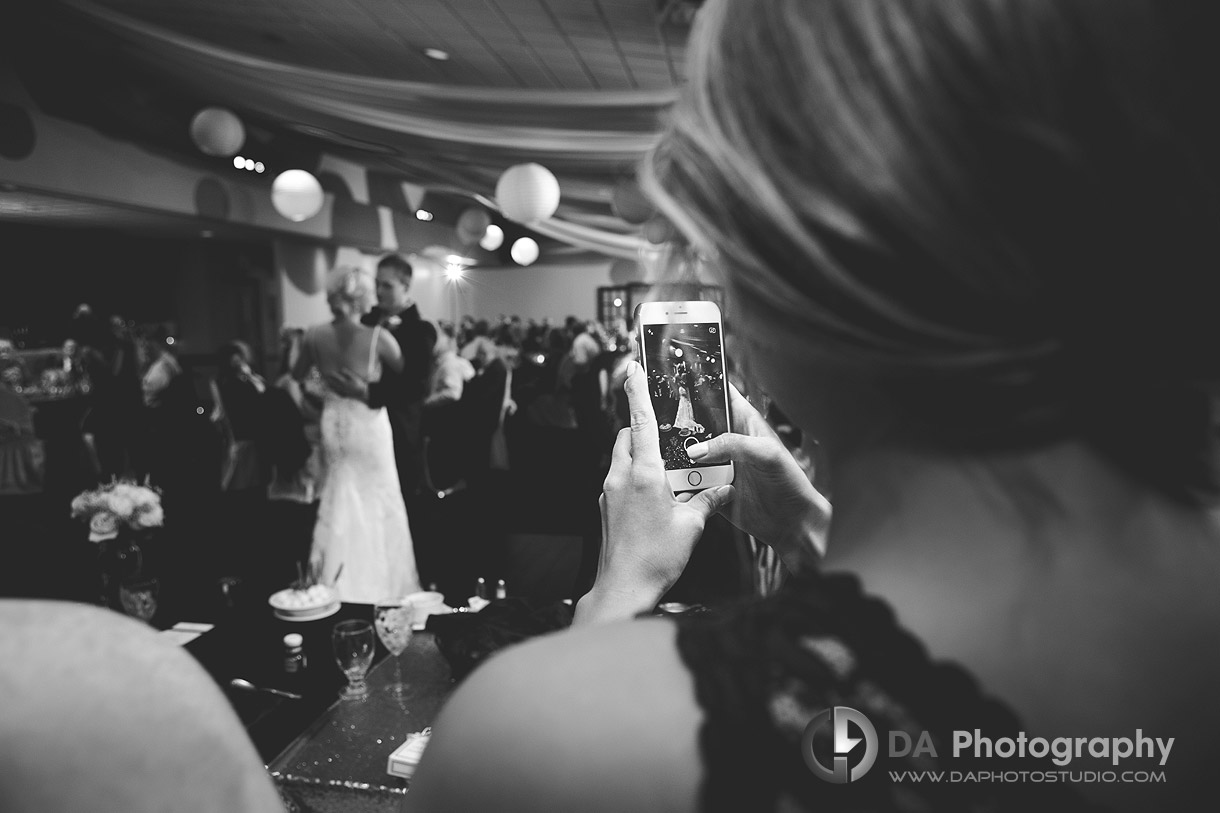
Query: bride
(361,543)
(685,419)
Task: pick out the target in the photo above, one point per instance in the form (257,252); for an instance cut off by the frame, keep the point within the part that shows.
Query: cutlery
(239,683)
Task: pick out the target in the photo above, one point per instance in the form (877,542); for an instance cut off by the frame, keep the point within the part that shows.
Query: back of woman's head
(998,212)
(348,290)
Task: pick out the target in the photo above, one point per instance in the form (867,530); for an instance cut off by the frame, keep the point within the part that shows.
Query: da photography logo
(842,720)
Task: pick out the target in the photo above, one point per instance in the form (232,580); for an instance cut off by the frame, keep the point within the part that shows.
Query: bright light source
(541,358)
(524,251)
(437,54)
(493,237)
(618,302)
(238,162)
(169,339)
(423,214)
(249,163)
(198,410)
(258,166)
(678,352)
(453,272)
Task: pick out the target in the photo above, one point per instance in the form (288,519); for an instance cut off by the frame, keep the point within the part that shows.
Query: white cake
(310,601)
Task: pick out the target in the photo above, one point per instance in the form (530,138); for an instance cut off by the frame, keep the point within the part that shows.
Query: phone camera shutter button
(694,478)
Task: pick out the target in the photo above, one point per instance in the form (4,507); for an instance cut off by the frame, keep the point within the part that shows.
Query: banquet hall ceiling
(547,44)
(579,86)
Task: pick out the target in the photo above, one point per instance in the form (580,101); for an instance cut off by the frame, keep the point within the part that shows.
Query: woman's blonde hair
(349,287)
(1000,211)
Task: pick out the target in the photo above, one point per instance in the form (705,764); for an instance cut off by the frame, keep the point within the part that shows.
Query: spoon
(240,683)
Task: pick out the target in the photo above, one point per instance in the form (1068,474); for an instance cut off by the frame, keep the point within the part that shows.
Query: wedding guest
(970,248)
(100,713)
(294,445)
(240,413)
(450,372)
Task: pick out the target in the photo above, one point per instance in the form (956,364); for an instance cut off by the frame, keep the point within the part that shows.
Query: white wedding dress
(361,541)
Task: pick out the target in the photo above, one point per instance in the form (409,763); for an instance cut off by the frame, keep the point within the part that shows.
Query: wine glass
(353,643)
(394,618)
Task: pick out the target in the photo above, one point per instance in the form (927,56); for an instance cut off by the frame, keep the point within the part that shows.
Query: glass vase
(119,560)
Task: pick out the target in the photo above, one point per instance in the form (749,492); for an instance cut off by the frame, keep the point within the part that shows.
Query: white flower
(145,498)
(121,505)
(104,525)
(152,517)
(81,505)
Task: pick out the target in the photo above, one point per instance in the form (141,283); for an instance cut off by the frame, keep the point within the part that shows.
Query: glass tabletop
(339,762)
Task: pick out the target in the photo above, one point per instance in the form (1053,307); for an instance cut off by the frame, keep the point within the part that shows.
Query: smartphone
(682,351)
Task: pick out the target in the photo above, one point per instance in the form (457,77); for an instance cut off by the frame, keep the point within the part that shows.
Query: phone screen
(685,364)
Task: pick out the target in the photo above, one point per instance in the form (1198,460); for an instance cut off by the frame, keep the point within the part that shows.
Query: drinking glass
(394,618)
(353,643)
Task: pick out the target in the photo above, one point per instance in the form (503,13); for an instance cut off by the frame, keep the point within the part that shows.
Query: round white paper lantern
(297,195)
(472,224)
(493,237)
(217,131)
(524,251)
(527,193)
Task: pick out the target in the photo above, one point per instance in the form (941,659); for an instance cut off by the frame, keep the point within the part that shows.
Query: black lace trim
(752,661)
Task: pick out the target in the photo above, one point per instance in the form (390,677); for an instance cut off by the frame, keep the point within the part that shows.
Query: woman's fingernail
(696,450)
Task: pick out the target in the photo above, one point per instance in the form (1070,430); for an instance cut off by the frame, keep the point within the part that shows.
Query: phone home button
(694,478)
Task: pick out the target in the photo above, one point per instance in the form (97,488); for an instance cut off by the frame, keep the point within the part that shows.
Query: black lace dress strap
(763,669)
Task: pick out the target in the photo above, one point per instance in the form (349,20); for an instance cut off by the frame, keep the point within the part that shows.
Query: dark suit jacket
(402,394)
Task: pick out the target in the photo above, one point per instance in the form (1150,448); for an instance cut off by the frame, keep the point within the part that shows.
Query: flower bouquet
(116,505)
(120,513)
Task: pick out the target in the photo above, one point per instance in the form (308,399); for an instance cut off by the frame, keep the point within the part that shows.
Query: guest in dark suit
(402,394)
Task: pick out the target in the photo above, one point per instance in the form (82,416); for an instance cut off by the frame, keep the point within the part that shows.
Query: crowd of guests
(238,452)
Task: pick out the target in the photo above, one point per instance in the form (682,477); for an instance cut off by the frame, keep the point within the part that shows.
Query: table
(325,754)
(339,762)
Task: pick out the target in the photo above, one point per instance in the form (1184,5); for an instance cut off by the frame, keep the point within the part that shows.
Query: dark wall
(210,291)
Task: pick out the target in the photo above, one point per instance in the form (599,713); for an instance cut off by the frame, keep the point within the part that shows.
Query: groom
(402,394)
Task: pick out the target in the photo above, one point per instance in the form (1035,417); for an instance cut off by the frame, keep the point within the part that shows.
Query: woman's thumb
(712,500)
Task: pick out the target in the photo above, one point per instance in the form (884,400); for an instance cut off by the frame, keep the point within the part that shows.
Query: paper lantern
(524,251)
(217,131)
(493,237)
(624,271)
(658,230)
(472,225)
(297,195)
(630,204)
(527,193)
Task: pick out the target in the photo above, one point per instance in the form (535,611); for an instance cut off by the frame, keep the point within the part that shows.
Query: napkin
(184,632)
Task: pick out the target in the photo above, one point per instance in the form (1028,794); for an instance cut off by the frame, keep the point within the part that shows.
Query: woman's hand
(775,502)
(647,534)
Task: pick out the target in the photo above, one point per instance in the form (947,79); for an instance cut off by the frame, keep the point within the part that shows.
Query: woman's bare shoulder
(600,718)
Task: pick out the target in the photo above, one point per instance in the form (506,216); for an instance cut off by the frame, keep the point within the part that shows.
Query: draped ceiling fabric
(444,137)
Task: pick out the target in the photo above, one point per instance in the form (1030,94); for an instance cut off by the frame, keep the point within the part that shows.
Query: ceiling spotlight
(437,54)
(239,162)
(258,166)
(453,272)
(423,214)
(618,302)
(249,163)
